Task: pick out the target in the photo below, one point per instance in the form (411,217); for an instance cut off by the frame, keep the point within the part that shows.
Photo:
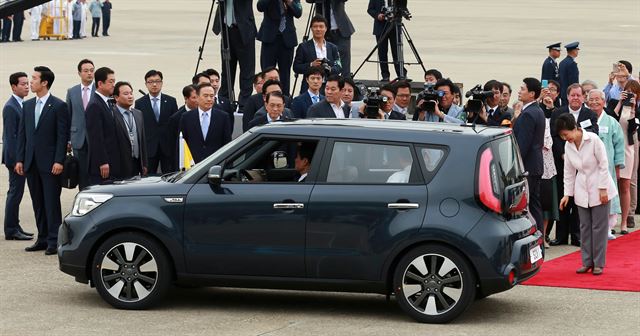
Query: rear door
(369,196)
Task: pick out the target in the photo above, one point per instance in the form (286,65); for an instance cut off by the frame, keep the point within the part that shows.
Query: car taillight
(488,182)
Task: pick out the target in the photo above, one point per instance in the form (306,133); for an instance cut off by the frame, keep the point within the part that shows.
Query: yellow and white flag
(186,161)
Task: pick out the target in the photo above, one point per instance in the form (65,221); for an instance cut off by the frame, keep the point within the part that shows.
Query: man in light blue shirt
(77,19)
(445,110)
(612,90)
(96,12)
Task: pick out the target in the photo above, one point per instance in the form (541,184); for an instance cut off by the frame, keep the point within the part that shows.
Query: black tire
(430,296)
(131,271)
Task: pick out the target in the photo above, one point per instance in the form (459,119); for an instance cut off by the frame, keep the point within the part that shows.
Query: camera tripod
(226,54)
(395,26)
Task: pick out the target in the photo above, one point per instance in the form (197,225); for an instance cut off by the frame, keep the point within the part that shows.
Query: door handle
(288,206)
(403,206)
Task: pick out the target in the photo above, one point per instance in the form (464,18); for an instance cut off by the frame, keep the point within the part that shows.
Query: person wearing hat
(568,70)
(550,66)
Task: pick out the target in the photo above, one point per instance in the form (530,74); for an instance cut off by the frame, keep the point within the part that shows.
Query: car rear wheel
(434,284)
(131,271)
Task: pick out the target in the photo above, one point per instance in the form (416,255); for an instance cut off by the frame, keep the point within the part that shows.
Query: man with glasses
(157,108)
(445,109)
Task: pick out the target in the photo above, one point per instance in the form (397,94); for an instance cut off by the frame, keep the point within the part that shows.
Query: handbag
(69,176)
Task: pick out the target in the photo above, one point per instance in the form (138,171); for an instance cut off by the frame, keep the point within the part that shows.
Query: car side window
(367,163)
(431,157)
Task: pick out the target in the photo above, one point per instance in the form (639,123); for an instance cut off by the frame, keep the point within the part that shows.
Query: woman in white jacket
(587,180)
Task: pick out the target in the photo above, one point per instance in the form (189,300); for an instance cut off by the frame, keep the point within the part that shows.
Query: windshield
(200,167)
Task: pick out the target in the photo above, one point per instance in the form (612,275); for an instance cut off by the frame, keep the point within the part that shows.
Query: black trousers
(276,54)
(344,48)
(383,52)
(12,204)
(6,29)
(568,224)
(244,55)
(82,154)
(164,162)
(17,30)
(535,204)
(76,29)
(45,190)
(106,22)
(95,26)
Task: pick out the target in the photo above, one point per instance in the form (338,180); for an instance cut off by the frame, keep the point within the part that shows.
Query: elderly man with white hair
(612,136)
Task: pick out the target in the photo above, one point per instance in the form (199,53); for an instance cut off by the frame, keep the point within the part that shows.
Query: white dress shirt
(302,177)
(105,98)
(337,109)
(20,100)
(575,114)
(321,49)
(44,99)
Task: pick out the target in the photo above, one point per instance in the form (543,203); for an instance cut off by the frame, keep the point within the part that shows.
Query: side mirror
(279,159)
(215,176)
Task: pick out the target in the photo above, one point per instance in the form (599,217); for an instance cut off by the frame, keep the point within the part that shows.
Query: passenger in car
(303,160)
(402,176)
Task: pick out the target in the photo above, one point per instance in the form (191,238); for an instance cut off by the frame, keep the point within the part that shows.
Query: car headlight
(86,202)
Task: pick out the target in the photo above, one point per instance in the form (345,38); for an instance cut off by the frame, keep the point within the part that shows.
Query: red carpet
(621,272)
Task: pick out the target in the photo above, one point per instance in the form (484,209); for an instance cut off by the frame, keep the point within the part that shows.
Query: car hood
(146,186)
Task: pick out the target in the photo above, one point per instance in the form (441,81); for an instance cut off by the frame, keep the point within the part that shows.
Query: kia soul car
(432,214)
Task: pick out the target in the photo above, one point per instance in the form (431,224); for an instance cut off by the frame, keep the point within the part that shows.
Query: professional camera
(326,65)
(373,102)
(478,97)
(396,9)
(429,97)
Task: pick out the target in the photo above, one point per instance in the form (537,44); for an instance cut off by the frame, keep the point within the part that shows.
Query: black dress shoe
(51,251)
(36,247)
(556,242)
(18,236)
(25,232)
(575,243)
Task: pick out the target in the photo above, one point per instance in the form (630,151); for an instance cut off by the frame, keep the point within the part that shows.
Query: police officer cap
(573,45)
(555,46)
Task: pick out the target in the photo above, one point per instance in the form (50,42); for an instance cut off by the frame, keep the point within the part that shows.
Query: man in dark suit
(270,87)
(339,29)
(237,18)
(253,105)
(550,66)
(304,155)
(106,17)
(311,53)
(568,69)
(278,36)
(586,119)
(380,26)
(494,116)
(221,102)
(274,110)
(206,128)
(190,103)
(77,100)
(529,132)
(157,108)
(11,115)
(300,104)
(42,141)
(18,22)
(6,28)
(331,106)
(129,133)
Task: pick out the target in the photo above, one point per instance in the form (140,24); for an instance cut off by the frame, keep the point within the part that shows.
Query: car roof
(382,129)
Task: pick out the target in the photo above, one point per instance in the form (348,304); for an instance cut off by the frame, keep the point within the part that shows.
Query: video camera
(373,102)
(429,97)
(396,9)
(478,97)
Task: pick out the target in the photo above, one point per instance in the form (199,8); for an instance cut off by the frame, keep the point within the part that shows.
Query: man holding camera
(621,76)
(385,102)
(340,29)
(443,108)
(317,52)
(493,115)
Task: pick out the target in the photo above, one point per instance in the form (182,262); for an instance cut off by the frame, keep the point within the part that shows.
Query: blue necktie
(283,18)
(205,124)
(156,109)
(38,111)
(229,15)
(315,99)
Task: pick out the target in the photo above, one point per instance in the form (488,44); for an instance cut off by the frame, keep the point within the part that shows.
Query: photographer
(621,75)
(444,109)
(380,25)
(339,28)
(384,103)
(492,115)
(317,52)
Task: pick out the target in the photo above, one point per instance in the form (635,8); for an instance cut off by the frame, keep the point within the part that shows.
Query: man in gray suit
(77,99)
(340,29)
(331,106)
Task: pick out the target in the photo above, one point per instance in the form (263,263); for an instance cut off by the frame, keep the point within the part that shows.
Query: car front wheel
(434,284)
(131,271)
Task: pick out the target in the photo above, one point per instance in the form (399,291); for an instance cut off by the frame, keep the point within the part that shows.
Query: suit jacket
(558,143)
(243,10)
(124,145)
(529,132)
(306,53)
(395,115)
(569,74)
(269,29)
(497,117)
(261,118)
(252,106)
(323,110)
(45,144)
(11,115)
(342,20)
(375,8)
(78,128)
(550,69)
(218,135)
(103,133)
(156,131)
(301,104)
